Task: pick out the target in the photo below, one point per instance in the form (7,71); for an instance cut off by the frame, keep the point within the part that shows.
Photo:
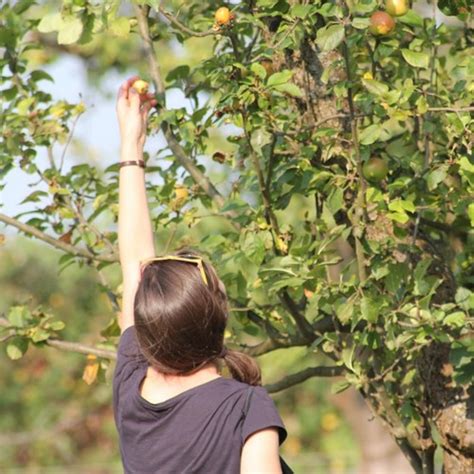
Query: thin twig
(78,252)
(68,142)
(175,22)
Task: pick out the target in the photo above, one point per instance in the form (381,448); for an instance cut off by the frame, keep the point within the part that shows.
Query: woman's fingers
(131,80)
(123,92)
(134,99)
(145,108)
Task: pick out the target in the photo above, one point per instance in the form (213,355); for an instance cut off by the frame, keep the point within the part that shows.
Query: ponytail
(242,367)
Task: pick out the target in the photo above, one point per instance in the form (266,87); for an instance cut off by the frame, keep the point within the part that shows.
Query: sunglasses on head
(187,259)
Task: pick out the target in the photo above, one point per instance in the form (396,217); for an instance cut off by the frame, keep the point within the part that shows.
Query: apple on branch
(381,23)
(396,7)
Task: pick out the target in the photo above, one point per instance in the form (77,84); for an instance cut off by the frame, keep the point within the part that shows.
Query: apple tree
(337,202)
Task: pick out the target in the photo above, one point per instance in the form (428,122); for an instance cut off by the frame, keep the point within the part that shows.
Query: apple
(381,23)
(396,7)
(140,86)
(223,16)
(375,169)
(181,192)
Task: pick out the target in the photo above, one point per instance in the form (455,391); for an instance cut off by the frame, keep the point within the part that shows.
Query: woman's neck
(157,387)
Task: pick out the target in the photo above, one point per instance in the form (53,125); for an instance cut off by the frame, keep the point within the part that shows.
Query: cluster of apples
(382,22)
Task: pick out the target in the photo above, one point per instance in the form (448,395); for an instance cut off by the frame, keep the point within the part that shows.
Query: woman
(174,412)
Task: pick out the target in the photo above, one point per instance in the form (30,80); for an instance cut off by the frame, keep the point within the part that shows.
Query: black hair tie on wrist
(140,163)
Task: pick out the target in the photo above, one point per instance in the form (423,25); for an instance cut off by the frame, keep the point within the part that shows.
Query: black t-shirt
(200,430)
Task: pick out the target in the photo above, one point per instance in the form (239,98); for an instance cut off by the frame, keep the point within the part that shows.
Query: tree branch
(303,375)
(171,139)
(361,208)
(303,324)
(65,247)
(175,22)
(72,346)
(272,332)
(81,348)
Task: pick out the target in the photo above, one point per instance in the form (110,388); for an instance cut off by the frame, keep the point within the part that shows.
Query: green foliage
(28,326)
(303,240)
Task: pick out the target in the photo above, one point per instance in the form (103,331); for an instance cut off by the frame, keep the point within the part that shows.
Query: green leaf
(335,200)
(260,138)
(422,286)
(40,75)
(370,134)
(180,72)
(112,329)
(369,309)
(17,347)
(361,23)
(51,22)
(267,3)
(18,316)
(340,386)
(71,30)
(344,312)
(34,196)
(300,11)
(416,59)
(464,298)
(456,319)
(120,27)
(466,165)
(375,87)
(436,176)
(411,18)
(399,206)
(279,78)
(258,70)
(363,6)
(330,37)
(289,88)
(57,325)
(39,334)
(396,278)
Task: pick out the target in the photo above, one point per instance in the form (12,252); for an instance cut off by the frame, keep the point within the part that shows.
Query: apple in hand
(140,86)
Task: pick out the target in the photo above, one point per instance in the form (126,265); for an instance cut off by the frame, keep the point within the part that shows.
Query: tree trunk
(452,410)
(380,454)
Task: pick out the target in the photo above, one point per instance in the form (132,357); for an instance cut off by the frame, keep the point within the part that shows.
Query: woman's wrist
(131,151)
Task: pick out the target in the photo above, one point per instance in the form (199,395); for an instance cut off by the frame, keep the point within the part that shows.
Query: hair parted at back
(180,321)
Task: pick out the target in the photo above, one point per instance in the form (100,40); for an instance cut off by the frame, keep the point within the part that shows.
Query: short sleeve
(262,413)
(129,356)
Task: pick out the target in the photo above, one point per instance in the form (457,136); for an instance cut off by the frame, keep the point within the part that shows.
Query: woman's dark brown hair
(180,321)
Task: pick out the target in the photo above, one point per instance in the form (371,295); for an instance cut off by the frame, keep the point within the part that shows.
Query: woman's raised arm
(135,234)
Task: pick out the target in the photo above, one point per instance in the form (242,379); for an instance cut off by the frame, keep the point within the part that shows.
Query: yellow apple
(396,7)
(140,86)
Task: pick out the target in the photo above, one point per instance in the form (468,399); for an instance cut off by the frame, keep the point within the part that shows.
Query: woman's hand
(132,113)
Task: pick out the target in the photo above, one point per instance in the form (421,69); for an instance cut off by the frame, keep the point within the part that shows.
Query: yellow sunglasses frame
(196,260)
